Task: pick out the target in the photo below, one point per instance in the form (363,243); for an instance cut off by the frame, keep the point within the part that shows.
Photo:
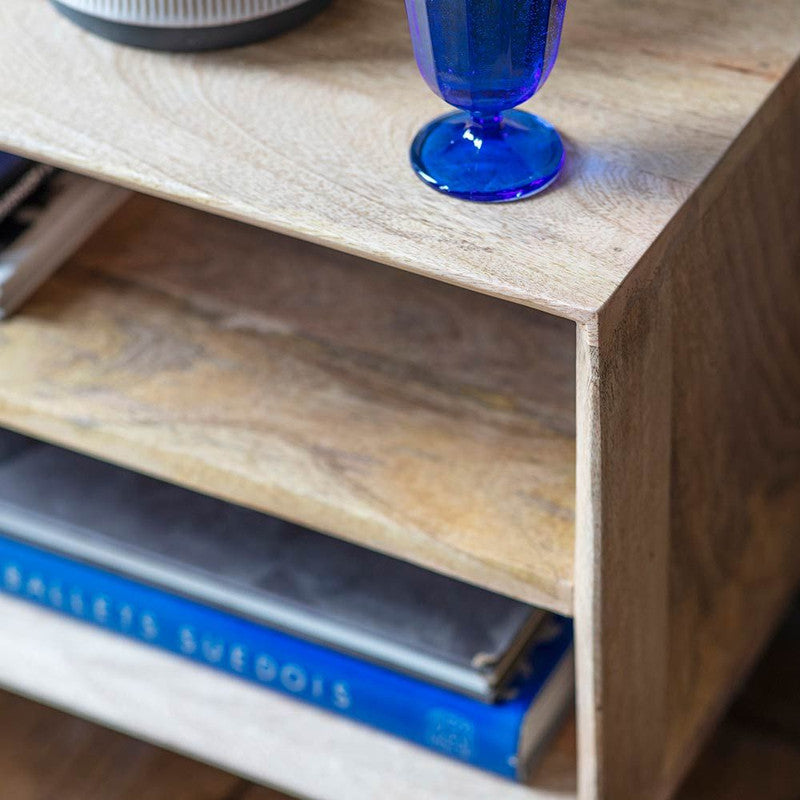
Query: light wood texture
(257,734)
(689,466)
(308,134)
(672,241)
(415,418)
(46,753)
(735,542)
(754,755)
(621,597)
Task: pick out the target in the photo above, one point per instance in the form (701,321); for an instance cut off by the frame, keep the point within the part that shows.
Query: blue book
(410,652)
(268,570)
(489,736)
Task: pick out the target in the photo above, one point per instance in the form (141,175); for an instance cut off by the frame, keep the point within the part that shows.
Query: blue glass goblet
(485,57)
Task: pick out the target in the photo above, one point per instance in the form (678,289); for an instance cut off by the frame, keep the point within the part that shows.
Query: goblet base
(490,160)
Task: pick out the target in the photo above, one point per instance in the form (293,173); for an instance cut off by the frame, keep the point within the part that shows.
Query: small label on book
(450,733)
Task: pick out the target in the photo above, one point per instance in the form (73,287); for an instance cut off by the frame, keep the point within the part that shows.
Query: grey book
(265,569)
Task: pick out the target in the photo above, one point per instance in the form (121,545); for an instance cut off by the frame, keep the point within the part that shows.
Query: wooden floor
(44,754)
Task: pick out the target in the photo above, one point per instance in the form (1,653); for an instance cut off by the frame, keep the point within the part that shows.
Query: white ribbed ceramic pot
(188,24)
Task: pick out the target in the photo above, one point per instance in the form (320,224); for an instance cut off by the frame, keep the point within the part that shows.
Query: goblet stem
(487,122)
(488,126)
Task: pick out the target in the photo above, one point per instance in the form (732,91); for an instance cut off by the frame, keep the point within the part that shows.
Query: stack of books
(463,671)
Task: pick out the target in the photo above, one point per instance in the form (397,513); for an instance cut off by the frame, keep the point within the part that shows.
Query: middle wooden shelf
(411,417)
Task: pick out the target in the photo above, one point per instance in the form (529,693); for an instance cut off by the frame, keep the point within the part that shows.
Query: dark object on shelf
(19,180)
(45,215)
(263,568)
(196,25)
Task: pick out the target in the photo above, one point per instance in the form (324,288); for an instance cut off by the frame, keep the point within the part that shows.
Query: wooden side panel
(621,586)
(689,466)
(735,542)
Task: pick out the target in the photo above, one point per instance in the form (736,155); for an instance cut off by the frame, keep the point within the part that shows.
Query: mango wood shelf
(308,134)
(258,734)
(419,419)
(413,417)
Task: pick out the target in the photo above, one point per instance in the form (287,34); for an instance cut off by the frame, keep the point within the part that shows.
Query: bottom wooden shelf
(755,754)
(249,731)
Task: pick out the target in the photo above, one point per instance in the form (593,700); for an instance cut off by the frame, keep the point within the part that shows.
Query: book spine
(483,735)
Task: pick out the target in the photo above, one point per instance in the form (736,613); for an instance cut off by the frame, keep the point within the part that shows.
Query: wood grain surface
(308,134)
(623,517)
(45,753)
(261,735)
(419,419)
(688,517)
(735,532)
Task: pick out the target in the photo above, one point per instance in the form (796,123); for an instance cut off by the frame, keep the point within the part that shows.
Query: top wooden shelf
(307,134)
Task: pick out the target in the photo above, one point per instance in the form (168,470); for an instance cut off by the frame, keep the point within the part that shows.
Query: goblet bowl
(486,57)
